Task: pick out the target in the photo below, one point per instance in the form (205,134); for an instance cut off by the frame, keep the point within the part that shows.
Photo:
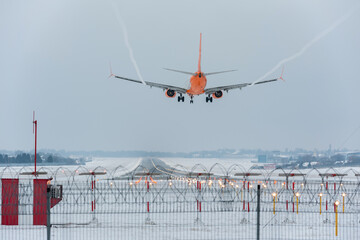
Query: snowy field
(214,165)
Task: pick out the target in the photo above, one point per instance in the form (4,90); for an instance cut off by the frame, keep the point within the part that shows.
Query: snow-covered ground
(213,165)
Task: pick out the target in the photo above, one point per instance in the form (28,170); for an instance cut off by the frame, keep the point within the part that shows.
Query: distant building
(274,157)
(262,158)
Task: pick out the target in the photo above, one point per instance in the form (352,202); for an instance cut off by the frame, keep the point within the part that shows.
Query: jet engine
(170,93)
(217,94)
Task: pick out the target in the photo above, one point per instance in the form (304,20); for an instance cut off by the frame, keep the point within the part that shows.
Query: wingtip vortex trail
(282,72)
(127,43)
(310,43)
(111,73)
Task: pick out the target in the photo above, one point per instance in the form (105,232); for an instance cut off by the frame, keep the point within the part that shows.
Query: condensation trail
(126,39)
(309,44)
(348,138)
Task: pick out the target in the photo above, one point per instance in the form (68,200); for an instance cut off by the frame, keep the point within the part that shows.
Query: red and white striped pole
(326,205)
(287,205)
(148,188)
(199,201)
(294,197)
(93,186)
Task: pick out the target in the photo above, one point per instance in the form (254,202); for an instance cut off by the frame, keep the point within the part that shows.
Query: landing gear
(191,99)
(181,98)
(209,98)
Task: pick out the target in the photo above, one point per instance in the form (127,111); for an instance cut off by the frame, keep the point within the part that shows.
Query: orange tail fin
(199,64)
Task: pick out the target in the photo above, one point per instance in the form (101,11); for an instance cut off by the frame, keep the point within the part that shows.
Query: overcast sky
(54,59)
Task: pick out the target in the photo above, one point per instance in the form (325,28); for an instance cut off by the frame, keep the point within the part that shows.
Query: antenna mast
(35,131)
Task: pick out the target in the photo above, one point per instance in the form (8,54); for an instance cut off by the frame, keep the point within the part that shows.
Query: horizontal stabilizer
(213,73)
(173,70)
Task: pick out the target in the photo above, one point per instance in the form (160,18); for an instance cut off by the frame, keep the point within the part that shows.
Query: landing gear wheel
(181,98)
(211,99)
(191,101)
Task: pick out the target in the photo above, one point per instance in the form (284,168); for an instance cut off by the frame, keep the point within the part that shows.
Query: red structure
(10,201)
(10,195)
(40,201)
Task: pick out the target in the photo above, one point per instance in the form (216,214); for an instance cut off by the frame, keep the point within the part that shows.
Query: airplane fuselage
(197,84)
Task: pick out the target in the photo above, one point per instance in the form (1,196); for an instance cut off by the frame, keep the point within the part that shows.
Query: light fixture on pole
(297,202)
(336,216)
(274,194)
(320,195)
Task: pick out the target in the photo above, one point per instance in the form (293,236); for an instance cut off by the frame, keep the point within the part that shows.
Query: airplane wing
(158,85)
(235,86)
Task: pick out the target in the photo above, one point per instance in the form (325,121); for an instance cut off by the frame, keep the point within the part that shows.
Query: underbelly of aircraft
(192,91)
(197,86)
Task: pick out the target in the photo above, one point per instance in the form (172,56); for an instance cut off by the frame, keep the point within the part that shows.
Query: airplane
(197,84)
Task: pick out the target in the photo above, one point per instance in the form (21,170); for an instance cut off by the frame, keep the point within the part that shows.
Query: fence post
(48,206)
(258,214)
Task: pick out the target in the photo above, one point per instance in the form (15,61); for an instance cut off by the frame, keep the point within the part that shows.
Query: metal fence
(284,205)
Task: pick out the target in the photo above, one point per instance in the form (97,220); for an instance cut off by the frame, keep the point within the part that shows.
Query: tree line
(40,158)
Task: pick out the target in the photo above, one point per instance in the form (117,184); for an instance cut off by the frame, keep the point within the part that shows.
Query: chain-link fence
(192,205)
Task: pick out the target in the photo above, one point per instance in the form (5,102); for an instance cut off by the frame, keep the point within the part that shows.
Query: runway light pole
(320,195)
(274,194)
(343,195)
(297,202)
(336,216)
